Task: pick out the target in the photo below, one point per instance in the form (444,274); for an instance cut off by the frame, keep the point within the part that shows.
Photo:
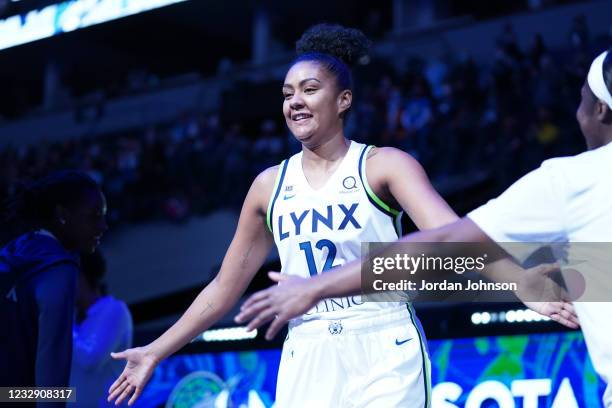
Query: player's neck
(327,153)
(607,139)
(88,297)
(603,140)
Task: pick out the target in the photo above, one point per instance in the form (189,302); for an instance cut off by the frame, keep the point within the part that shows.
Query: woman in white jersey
(318,206)
(565,200)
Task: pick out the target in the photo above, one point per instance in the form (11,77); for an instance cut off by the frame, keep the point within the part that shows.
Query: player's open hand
(139,368)
(542,294)
(291,298)
(561,312)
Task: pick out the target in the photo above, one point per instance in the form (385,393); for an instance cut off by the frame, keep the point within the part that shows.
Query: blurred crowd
(503,116)
(458,117)
(170,171)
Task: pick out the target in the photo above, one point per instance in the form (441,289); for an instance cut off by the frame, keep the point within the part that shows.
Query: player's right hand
(138,369)
(291,298)
(543,295)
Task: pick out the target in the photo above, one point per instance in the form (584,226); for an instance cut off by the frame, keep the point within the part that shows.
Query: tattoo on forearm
(245,257)
(208,307)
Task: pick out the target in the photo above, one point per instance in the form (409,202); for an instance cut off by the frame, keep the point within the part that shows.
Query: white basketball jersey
(316,230)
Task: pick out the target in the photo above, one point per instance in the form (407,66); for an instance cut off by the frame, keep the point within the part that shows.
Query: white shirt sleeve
(531,210)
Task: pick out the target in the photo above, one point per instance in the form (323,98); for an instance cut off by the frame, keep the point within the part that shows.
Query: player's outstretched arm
(247,252)
(294,296)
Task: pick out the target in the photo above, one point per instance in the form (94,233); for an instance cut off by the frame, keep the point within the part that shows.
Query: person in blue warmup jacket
(61,215)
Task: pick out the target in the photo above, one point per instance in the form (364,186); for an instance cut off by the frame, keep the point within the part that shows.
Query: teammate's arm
(396,174)
(294,296)
(247,252)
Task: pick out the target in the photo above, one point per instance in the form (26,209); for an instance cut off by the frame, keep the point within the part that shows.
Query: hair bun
(349,45)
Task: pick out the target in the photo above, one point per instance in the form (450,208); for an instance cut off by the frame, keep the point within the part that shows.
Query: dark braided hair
(336,48)
(33,205)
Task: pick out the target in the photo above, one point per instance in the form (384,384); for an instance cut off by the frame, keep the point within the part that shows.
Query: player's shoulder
(579,174)
(391,158)
(587,162)
(266,179)
(262,188)
(388,153)
(114,307)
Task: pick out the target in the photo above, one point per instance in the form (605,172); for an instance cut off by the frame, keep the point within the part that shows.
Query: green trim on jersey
(277,185)
(369,191)
(395,215)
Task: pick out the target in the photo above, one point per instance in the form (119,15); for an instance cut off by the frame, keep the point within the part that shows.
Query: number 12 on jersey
(306,246)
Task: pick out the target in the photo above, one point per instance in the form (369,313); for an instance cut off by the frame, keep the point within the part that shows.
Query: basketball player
(318,206)
(565,200)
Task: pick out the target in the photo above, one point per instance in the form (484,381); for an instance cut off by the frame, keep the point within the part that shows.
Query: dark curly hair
(33,205)
(335,47)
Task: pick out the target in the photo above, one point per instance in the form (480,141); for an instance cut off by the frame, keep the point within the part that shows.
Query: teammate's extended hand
(561,312)
(140,365)
(291,298)
(556,304)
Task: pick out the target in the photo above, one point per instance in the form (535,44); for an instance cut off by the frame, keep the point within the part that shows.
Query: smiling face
(313,105)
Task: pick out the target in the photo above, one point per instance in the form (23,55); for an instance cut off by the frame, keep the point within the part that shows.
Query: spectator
(537,49)
(416,119)
(579,33)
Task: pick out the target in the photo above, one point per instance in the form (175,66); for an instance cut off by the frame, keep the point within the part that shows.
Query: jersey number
(331,255)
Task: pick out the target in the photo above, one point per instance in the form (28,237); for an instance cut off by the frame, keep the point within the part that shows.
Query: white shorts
(372,361)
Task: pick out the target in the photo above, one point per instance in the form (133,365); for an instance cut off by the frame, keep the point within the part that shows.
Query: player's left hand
(140,364)
(291,298)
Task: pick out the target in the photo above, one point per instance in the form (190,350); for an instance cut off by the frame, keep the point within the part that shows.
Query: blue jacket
(37,294)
